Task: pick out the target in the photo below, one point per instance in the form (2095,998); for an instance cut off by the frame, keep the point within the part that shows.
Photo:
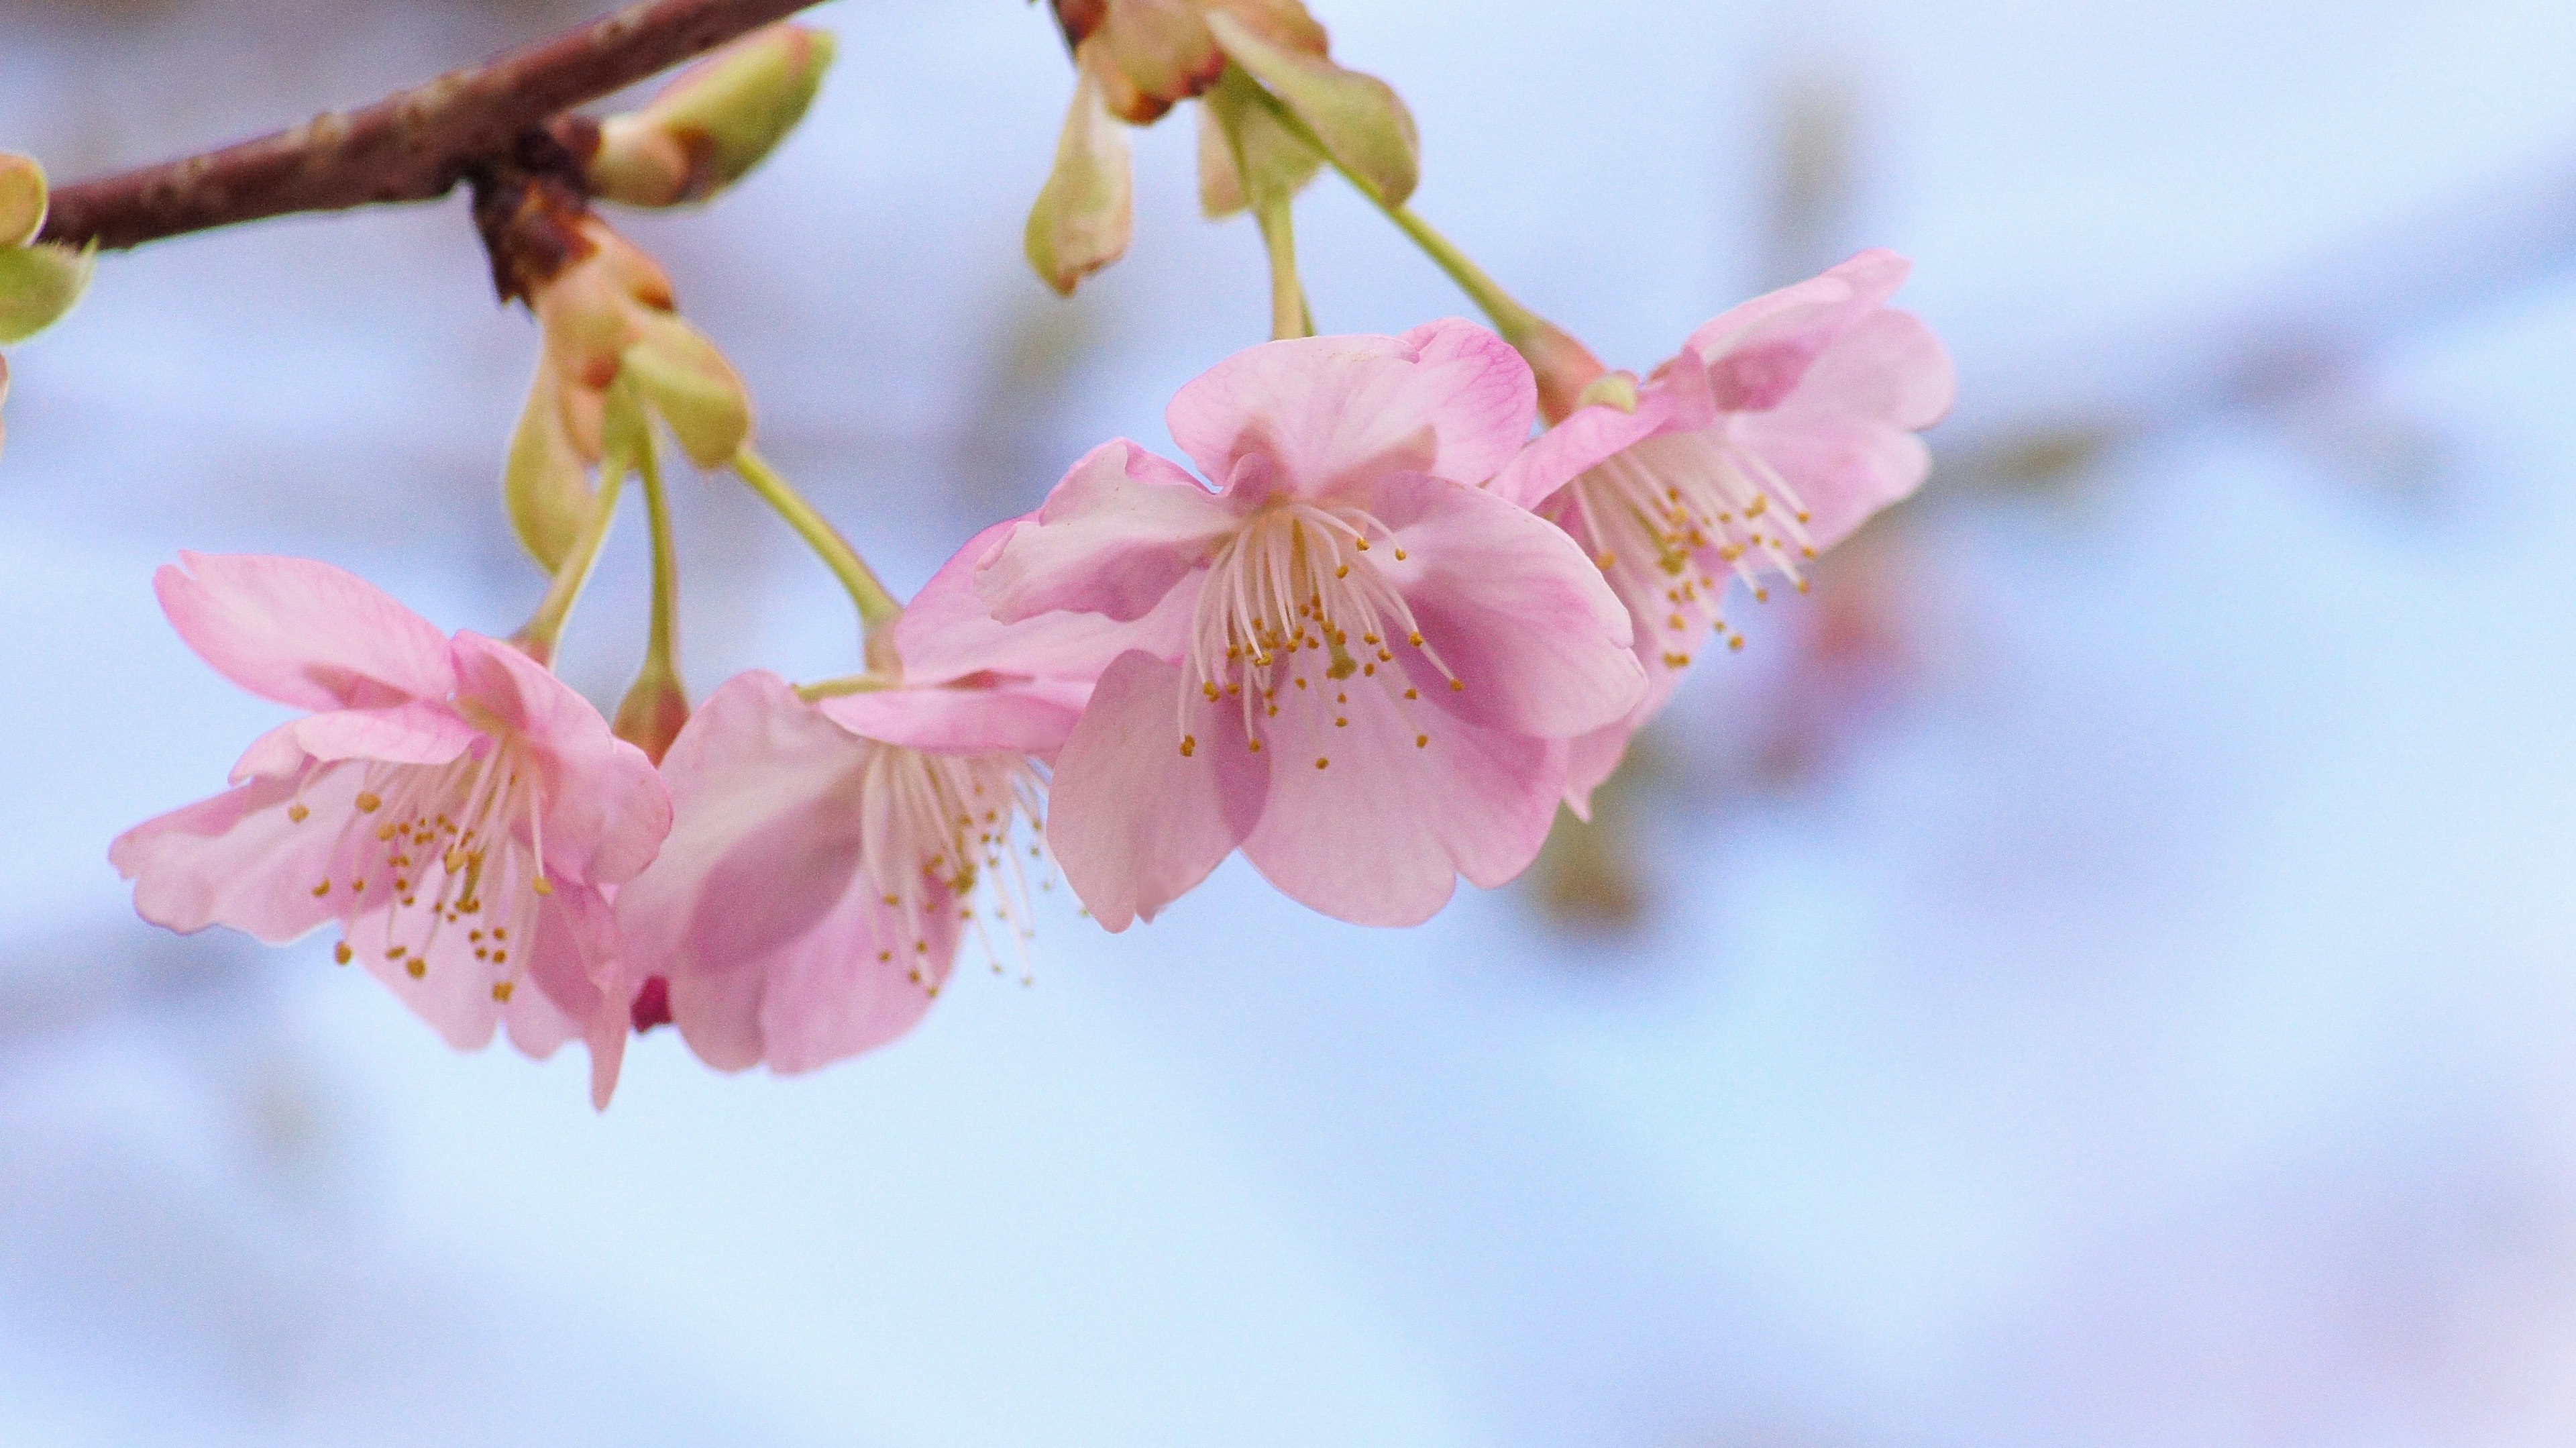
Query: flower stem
(1275,213)
(877,608)
(544,629)
(844,687)
(662,637)
(1516,323)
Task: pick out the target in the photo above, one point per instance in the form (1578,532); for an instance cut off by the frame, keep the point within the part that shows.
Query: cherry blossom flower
(831,855)
(459,811)
(1779,428)
(1380,661)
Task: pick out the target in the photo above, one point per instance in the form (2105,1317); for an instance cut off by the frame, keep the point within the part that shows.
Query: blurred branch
(414,145)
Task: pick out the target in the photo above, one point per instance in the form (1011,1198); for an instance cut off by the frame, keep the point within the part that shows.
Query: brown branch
(411,146)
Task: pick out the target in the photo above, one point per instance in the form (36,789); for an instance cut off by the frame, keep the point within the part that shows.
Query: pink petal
(574,966)
(1136,824)
(424,731)
(1595,434)
(606,810)
(948,631)
(1593,756)
(240,859)
(847,987)
(1512,607)
(1450,399)
(1757,353)
(1844,439)
(1013,718)
(1590,760)
(303,633)
(1379,835)
(764,842)
(1113,538)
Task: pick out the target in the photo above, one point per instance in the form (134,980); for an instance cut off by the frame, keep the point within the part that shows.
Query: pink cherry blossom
(455,807)
(829,854)
(1778,430)
(1379,661)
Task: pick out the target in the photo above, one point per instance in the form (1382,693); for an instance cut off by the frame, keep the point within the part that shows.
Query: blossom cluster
(1372,642)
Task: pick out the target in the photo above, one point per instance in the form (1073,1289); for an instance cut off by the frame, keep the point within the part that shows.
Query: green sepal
(38,284)
(546,483)
(1244,152)
(1359,119)
(22,199)
(1085,216)
(690,385)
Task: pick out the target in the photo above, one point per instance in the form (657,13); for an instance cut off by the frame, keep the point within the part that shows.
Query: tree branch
(414,145)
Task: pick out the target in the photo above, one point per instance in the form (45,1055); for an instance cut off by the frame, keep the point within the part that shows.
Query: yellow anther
(1421,741)
(1256,744)
(384,832)
(341,953)
(1413,693)
(1415,638)
(367,803)
(1399,555)
(1457,684)
(1341,723)
(543,886)
(418,968)
(501,991)
(297,813)
(1363,542)
(1189,745)
(1209,689)
(322,889)
(1320,763)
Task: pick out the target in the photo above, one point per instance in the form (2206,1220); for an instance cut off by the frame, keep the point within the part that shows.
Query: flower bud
(714,122)
(22,199)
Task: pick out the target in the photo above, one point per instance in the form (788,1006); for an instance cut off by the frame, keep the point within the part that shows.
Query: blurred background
(2096,973)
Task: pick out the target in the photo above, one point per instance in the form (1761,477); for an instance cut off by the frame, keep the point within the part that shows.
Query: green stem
(1516,323)
(544,629)
(1276,217)
(877,608)
(662,639)
(844,687)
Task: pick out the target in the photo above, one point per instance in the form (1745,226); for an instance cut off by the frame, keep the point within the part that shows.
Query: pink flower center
(934,827)
(433,851)
(1658,513)
(1293,601)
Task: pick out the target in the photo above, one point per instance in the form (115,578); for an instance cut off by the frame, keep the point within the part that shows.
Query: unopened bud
(654,710)
(22,199)
(714,122)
